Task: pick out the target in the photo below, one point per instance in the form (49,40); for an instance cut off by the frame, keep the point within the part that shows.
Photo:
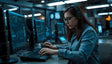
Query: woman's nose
(66,22)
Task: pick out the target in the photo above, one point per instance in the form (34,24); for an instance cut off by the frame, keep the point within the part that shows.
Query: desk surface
(53,60)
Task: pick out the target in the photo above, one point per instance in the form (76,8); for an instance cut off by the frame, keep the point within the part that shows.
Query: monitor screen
(61,29)
(99,28)
(51,16)
(16,31)
(62,38)
(57,15)
(40,30)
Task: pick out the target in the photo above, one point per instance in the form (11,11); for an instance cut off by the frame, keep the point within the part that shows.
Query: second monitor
(16,31)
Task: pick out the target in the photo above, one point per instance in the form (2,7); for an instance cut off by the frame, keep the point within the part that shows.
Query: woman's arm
(62,47)
(49,45)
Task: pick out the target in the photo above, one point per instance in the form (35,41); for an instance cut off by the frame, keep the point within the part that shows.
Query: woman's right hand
(47,44)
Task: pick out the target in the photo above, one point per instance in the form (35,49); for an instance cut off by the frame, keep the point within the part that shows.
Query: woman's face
(70,20)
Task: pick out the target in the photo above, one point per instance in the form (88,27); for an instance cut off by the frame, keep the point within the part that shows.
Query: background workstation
(26,24)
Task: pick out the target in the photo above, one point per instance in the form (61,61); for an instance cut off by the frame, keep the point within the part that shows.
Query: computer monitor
(61,29)
(99,28)
(51,16)
(16,31)
(60,33)
(4,48)
(57,15)
(40,30)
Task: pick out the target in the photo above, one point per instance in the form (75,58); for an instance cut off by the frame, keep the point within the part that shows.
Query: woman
(82,37)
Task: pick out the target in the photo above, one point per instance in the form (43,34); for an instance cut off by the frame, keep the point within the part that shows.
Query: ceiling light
(97,6)
(74,1)
(42,1)
(106,13)
(38,14)
(65,2)
(5,10)
(100,14)
(30,15)
(25,16)
(110,12)
(56,3)
(13,9)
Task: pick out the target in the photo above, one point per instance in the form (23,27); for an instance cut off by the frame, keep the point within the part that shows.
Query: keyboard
(33,56)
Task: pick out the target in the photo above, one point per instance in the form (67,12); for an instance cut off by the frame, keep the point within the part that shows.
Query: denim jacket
(82,51)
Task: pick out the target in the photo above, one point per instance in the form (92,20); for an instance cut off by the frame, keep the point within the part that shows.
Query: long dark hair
(79,14)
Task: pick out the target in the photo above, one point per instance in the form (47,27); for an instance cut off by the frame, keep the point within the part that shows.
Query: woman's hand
(44,51)
(47,44)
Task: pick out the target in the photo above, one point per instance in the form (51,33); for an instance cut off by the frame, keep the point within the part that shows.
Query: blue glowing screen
(100,29)
(62,38)
(57,15)
(51,16)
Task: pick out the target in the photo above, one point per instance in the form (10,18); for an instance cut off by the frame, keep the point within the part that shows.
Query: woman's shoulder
(89,29)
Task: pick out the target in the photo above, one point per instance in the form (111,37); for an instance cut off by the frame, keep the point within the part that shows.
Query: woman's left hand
(44,51)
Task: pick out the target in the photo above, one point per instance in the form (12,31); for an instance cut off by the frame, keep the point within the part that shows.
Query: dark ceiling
(26,5)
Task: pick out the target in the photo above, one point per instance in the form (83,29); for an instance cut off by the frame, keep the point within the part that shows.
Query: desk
(53,60)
